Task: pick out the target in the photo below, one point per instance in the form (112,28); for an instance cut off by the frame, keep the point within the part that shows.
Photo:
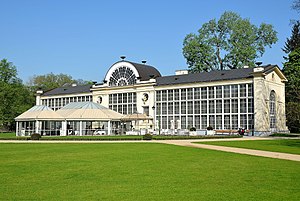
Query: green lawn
(141,171)
(291,146)
(7,135)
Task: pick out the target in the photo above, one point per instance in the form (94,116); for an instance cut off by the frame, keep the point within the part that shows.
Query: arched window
(272,110)
(122,76)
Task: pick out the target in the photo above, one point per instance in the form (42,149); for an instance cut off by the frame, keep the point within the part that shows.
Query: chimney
(258,68)
(38,94)
(181,72)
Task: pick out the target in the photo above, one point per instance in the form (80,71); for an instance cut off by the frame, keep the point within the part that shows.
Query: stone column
(37,127)
(108,127)
(17,128)
(80,128)
(63,128)
(38,97)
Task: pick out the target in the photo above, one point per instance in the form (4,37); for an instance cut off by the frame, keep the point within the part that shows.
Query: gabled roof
(39,112)
(68,90)
(242,73)
(275,68)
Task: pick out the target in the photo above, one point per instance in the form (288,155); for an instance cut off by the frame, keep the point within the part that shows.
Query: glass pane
(190,93)
(243,106)
(250,90)
(183,94)
(211,92)
(227,91)
(219,92)
(234,90)
(196,93)
(197,107)
(170,95)
(183,107)
(190,107)
(242,90)
(203,107)
(203,93)
(234,106)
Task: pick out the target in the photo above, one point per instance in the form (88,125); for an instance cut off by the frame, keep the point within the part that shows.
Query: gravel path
(269,154)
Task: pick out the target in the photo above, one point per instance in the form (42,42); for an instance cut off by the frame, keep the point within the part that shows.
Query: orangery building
(134,98)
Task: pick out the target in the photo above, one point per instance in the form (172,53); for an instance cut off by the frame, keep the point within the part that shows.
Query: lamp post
(153,108)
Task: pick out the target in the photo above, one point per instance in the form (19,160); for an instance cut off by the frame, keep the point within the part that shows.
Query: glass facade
(57,103)
(122,76)
(124,103)
(222,107)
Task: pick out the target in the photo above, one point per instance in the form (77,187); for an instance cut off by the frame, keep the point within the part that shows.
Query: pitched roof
(68,90)
(146,72)
(88,111)
(242,73)
(135,116)
(39,112)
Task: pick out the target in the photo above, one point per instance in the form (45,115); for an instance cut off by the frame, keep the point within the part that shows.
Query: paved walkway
(191,143)
(269,154)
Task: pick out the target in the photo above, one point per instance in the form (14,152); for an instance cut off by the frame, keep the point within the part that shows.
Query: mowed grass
(291,146)
(141,171)
(7,135)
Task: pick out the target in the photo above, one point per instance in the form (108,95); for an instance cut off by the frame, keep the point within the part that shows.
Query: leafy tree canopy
(291,70)
(296,5)
(293,42)
(227,43)
(8,72)
(293,116)
(15,98)
(51,81)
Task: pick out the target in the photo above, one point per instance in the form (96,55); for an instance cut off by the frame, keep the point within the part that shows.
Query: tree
(293,116)
(8,72)
(231,42)
(15,98)
(296,5)
(291,70)
(293,42)
(51,81)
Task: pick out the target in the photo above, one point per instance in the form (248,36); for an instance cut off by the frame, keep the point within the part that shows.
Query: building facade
(250,98)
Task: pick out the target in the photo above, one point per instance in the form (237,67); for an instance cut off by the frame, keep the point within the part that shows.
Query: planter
(210,132)
(193,133)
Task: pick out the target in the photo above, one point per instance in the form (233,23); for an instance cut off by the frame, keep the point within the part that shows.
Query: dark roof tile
(146,72)
(242,73)
(68,90)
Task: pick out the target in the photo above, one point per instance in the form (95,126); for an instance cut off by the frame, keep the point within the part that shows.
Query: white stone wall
(263,85)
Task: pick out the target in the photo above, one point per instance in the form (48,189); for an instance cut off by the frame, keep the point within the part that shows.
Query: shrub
(35,136)
(209,128)
(147,137)
(284,135)
(193,129)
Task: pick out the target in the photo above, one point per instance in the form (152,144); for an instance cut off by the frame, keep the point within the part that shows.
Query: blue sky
(83,38)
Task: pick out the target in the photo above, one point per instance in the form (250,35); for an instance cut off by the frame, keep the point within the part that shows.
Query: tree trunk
(219,58)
